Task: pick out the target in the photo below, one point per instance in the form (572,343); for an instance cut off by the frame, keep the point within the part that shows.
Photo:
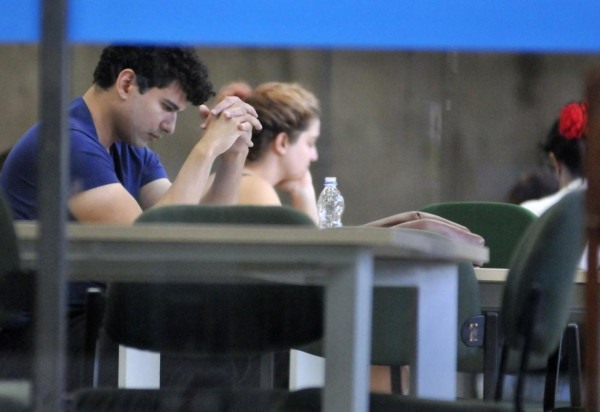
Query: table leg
(435,358)
(138,368)
(306,370)
(348,306)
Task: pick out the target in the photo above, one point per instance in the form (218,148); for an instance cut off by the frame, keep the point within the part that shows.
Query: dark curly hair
(156,67)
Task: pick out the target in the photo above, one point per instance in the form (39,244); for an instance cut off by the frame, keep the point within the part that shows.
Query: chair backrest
(16,285)
(540,281)
(9,252)
(216,318)
(237,215)
(501,225)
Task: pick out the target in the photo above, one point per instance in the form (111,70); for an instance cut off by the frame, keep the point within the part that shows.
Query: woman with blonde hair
(284,149)
(280,159)
(282,152)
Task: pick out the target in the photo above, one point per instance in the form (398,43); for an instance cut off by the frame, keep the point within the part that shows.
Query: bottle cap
(329,180)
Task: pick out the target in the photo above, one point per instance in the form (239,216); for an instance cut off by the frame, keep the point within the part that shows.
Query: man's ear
(281,143)
(124,82)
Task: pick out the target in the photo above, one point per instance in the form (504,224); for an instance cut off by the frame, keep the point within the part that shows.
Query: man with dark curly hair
(135,98)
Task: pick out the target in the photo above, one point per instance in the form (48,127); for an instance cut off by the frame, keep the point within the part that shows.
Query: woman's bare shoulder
(255,190)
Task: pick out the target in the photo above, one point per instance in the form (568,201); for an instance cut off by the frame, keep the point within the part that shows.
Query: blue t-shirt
(91,166)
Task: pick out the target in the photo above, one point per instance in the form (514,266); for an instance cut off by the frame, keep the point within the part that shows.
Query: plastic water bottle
(330,205)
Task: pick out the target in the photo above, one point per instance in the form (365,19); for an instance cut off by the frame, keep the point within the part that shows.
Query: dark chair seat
(502,225)
(215,318)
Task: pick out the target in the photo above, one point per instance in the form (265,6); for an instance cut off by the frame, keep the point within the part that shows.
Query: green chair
(16,284)
(16,298)
(535,308)
(208,319)
(502,225)
(292,313)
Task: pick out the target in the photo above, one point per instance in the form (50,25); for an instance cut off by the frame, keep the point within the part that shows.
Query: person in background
(136,95)
(533,184)
(280,158)
(564,147)
(134,100)
(283,150)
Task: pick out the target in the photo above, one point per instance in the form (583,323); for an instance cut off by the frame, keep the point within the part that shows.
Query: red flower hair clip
(573,120)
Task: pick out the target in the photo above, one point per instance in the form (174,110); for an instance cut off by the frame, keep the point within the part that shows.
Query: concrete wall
(400,129)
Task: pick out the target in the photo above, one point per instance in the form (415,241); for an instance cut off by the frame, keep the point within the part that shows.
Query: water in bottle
(330,205)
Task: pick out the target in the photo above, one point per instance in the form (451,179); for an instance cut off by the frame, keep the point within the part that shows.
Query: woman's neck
(263,169)
(565,177)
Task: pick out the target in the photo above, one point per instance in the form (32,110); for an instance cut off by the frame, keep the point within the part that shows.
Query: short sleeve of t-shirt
(135,166)
(93,166)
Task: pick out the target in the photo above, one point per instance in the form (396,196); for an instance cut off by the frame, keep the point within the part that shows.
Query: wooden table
(347,261)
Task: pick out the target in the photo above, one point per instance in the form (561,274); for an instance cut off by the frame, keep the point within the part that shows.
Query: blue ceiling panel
(491,25)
